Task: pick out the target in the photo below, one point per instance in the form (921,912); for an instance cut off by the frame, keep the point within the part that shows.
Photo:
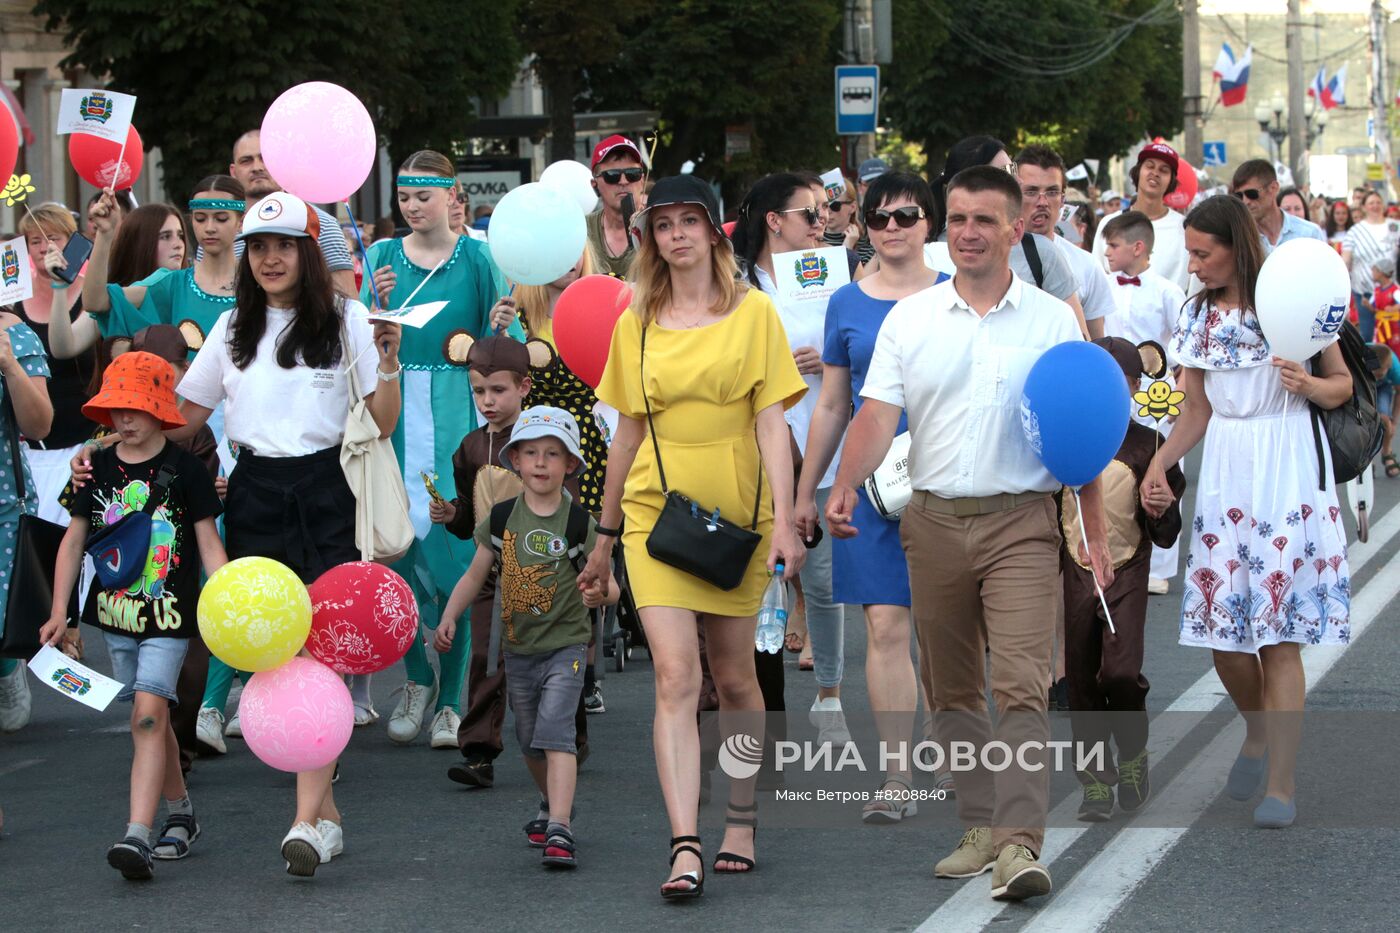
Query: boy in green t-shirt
(544,613)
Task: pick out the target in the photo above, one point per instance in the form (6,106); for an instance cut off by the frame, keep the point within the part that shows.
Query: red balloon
(1186,187)
(9,147)
(363,618)
(583,324)
(95,159)
(729,228)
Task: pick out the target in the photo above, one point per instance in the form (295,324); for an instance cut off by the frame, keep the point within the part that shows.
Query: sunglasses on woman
(810,213)
(838,204)
(904,217)
(614,176)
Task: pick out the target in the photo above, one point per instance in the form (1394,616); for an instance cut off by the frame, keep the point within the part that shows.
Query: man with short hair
(618,173)
(247,166)
(1154,176)
(1256,184)
(981,531)
(1041,172)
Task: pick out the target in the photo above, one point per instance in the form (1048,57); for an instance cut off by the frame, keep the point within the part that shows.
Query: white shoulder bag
(383,531)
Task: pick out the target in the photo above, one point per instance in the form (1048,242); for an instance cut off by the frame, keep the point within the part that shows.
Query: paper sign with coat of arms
(96,112)
(810,275)
(16,283)
(834,183)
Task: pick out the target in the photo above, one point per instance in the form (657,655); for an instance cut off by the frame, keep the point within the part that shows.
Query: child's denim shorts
(151,665)
(544,691)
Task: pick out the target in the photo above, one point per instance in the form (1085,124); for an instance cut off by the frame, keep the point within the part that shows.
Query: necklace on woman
(704,312)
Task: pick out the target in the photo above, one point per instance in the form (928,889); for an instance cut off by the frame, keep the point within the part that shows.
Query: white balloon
(1302,298)
(574,179)
(537,234)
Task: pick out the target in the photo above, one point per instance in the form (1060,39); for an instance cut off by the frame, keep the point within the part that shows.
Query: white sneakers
(332,839)
(234,730)
(1156,586)
(830,721)
(14,699)
(306,846)
(444,728)
(209,729)
(407,719)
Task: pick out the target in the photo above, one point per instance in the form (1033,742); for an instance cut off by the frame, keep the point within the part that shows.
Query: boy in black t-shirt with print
(544,613)
(148,623)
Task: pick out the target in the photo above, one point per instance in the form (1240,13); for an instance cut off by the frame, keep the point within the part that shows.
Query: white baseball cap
(281,213)
(544,421)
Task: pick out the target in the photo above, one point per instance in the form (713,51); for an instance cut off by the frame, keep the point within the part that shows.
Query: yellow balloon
(254,614)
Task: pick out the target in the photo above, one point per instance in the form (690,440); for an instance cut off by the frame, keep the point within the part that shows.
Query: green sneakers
(1133,785)
(1017,875)
(1097,803)
(973,855)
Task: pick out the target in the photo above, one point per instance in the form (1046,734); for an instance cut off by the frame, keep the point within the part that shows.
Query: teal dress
(29,351)
(172,297)
(437,402)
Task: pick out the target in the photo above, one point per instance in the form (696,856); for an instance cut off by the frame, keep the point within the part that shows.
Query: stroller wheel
(620,652)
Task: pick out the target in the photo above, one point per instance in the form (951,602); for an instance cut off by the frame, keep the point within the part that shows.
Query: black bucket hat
(679,189)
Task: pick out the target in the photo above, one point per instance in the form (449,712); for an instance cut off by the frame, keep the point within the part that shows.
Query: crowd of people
(235,332)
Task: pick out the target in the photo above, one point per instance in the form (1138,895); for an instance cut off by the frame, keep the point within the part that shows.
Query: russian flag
(1329,93)
(1233,75)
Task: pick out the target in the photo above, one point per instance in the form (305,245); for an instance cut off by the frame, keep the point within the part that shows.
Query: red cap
(600,151)
(1159,151)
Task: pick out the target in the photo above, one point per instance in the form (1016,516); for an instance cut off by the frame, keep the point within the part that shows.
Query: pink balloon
(297,717)
(318,142)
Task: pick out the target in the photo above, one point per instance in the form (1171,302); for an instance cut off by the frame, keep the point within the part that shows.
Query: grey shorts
(151,665)
(544,691)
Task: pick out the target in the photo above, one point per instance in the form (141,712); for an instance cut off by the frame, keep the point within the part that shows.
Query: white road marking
(972,907)
(20,765)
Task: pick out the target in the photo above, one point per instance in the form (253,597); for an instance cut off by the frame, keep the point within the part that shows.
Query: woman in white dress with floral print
(1266,571)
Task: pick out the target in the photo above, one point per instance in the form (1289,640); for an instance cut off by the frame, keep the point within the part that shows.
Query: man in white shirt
(1041,172)
(1256,184)
(1155,178)
(981,532)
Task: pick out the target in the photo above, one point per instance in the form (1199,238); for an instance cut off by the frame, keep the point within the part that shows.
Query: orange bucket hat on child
(141,381)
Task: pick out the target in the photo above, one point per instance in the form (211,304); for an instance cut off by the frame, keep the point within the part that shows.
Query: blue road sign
(857,99)
(1214,153)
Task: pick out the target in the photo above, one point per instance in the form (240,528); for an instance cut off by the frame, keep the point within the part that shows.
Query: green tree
(204,71)
(566,38)
(708,64)
(1090,77)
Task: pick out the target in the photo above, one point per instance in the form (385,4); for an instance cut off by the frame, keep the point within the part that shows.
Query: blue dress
(29,352)
(869,569)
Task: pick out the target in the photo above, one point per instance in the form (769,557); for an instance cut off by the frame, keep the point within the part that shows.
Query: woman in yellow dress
(718,377)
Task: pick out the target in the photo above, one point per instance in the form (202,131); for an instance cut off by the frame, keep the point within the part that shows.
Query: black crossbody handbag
(695,539)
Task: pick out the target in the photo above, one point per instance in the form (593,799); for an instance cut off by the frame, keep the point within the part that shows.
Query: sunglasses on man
(1252,194)
(614,176)
(904,217)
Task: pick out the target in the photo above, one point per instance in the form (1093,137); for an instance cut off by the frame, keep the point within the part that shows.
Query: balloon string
(364,254)
(1079,514)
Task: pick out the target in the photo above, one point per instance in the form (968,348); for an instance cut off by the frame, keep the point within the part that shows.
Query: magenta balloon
(318,142)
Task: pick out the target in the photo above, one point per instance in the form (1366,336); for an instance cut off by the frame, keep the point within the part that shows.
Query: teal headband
(425,181)
(216,204)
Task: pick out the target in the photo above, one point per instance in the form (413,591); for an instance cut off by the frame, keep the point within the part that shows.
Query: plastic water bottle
(772,615)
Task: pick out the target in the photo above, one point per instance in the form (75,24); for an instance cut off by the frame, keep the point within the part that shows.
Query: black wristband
(607,532)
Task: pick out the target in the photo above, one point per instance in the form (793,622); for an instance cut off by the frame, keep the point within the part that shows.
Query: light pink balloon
(298,717)
(318,142)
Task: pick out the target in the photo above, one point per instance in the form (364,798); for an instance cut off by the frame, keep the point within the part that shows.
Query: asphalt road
(423,853)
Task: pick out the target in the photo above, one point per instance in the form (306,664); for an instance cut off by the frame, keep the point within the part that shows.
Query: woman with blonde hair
(431,263)
(700,363)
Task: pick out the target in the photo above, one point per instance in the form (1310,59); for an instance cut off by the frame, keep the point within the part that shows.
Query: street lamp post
(1272,118)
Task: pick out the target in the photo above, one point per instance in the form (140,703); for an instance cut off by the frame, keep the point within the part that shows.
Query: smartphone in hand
(75,254)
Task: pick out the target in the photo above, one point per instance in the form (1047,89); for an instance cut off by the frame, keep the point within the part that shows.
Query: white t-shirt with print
(276,412)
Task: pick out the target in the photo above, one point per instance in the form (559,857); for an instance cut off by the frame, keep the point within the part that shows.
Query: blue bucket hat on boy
(544,421)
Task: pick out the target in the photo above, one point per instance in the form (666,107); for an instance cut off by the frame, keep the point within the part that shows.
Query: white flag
(76,681)
(16,285)
(1078,173)
(96,112)
(835,184)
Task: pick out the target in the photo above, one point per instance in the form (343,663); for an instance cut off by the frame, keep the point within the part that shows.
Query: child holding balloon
(147,619)
(1103,667)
